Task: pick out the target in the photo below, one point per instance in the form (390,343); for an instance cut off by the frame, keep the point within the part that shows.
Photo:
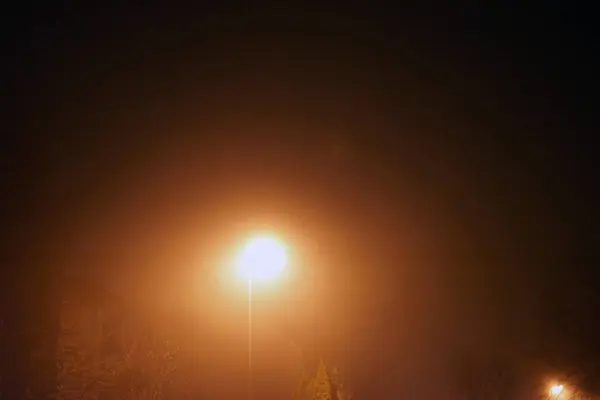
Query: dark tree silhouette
(324,384)
(109,352)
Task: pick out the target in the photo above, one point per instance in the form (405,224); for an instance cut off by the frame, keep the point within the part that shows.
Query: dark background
(443,160)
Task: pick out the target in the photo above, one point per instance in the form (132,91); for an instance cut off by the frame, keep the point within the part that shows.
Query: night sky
(437,168)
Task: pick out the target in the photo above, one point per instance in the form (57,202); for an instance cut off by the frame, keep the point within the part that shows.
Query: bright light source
(556,390)
(261,259)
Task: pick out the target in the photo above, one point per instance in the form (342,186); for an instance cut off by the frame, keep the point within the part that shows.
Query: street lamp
(261,259)
(555,391)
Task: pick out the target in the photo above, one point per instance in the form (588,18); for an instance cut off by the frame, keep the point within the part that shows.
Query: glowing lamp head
(261,259)
(556,390)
